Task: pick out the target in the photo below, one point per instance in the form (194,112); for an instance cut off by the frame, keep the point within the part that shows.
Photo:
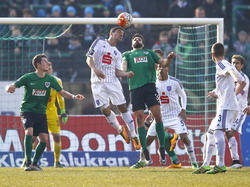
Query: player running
(104,59)
(37,87)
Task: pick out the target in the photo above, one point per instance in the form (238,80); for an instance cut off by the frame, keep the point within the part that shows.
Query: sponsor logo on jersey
(47,84)
(146,52)
(141,59)
(37,92)
(107,58)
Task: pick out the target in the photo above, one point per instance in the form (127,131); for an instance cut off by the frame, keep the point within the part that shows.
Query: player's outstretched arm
(68,95)
(166,62)
(120,73)
(10,88)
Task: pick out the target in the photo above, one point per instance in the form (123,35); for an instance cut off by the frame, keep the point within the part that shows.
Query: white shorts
(224,120)
(237,124)
(177,124)
(103,93)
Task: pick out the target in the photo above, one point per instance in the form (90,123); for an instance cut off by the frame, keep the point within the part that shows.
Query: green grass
(103,176)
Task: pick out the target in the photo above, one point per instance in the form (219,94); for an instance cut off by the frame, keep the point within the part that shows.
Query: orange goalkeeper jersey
(51,111)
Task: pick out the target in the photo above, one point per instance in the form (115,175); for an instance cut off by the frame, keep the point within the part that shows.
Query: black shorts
(145,95)
(35,120)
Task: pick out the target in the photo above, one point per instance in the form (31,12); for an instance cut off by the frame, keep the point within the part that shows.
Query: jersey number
(106,58)
(164,98)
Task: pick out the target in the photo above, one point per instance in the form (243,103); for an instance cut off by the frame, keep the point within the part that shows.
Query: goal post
(153,21)
(89,134)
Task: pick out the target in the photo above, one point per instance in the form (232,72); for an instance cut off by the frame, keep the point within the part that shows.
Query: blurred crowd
(68,52)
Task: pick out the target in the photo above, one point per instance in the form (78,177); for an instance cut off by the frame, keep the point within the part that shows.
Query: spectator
(41,13)
(163,44)
(199,12)
(119,9)
(173,34)
(89,31)
(76,69)
(45,3)
(241,45)
(109,4)
(71,11)
(27,13)
(212,9)
(180,9)
(12,12)
(56,11)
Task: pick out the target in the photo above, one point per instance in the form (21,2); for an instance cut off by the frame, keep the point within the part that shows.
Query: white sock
(142,156)
(233,146)
(190,152)
(209,148)
(130,123)
(220,147)
(112,120)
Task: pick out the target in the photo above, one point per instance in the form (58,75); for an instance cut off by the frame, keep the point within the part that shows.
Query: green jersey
(142,63)
(36,91)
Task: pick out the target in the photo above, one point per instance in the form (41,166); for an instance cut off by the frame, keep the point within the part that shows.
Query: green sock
(142,136)
(160,133)
(39,151)
(167,147)
(28,147)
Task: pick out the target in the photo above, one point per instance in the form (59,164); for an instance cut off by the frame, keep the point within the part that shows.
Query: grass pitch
(121,176)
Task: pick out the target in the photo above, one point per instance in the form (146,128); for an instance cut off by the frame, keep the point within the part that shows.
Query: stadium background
(68,52)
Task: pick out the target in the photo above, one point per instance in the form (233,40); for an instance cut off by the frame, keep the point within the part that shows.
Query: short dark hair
(37,59)
(113,29)
(239,58)
(218,49)
(159,51)
(138,35)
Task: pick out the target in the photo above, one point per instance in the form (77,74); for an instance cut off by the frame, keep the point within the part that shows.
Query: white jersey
(242,97)
(107,58)
(169,92)
(225,86)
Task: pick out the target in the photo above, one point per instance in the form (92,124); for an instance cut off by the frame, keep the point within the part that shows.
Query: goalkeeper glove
(64,116)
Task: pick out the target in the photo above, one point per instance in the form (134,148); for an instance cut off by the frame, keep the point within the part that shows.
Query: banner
(91,137)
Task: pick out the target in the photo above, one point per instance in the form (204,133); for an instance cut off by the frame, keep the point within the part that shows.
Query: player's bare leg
(127,117)
(112,120)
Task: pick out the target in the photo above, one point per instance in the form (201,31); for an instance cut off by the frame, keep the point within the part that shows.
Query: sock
(57,151)
(142,156)
(190,152)
(142,136)
(112,120)
(39,151)
(233,146)
(220,147)
(130,123)
(28,147)
(160,134)
(167,147)
(209,149)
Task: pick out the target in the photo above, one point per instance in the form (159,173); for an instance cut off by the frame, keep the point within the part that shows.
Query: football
(124,20)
